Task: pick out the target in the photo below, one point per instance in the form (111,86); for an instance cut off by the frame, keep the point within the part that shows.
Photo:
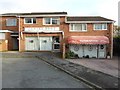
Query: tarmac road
(23,71)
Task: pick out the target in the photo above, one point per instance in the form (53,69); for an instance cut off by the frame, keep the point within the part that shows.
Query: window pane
(55,21)
(47,20)
(71,26)
(84,27)
(28,20)
(98,26)
(78,27)
(56,39)
(104,26)
(56,46)
(34,20)
(11,22)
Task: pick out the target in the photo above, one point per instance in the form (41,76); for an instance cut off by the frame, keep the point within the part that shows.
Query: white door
(102,51)
(77,49)
(46,43)
(90,50)
(31,43)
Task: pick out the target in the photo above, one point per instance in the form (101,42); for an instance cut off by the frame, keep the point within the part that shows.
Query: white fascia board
(42,31)
(8,15)
(14,35)
(39,15)
(89,21)
(5,31)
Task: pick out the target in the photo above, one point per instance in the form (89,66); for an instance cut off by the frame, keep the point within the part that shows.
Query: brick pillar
(63,53)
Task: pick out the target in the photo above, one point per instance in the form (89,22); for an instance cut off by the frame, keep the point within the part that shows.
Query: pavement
(103,65)
(96,73)
(95,78)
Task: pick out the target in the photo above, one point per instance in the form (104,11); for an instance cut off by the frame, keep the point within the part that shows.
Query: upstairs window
(30,20)
(51,21)
(47,21)
(100,26)
(11,22)
(78,27)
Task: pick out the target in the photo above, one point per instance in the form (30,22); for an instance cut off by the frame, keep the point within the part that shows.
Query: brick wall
(4,27)
(39,23)
(3,45)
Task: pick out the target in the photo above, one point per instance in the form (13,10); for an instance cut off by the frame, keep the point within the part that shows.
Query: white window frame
(102,26)
(51,19)
(31,20)
(11,22)
(56,43)
(77,30)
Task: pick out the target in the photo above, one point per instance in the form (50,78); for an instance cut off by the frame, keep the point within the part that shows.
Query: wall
(12,28)
(39,23)
(4,27)
(3,45)
(91,32)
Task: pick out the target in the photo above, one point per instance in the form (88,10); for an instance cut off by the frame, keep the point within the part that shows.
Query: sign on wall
(39,29)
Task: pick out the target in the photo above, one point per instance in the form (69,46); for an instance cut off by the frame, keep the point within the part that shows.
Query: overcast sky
(105,8)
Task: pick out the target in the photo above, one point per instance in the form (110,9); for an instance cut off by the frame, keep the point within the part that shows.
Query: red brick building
(47,31)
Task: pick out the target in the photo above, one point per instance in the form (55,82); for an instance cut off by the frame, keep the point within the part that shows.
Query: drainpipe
(63,34)
(63,47)
(19,33)
(112,41)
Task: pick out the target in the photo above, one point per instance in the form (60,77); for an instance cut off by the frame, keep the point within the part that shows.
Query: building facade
(48,31)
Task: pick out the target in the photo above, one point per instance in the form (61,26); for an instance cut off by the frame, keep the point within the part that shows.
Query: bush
(70,54)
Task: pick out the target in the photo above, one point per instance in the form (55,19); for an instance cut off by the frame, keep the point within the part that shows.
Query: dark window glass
(28,20)
(56,46)
(47,21)
(34,20)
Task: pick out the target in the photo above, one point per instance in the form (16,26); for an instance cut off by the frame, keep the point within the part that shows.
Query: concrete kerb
(91,85)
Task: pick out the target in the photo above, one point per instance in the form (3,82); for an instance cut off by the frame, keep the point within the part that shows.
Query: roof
(87,18)
(35,13)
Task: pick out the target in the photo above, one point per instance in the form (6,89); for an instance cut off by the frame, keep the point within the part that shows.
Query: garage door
(41,43)
(45,43)
(31,43)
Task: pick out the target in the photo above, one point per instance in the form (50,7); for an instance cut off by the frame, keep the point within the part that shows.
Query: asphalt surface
(21,70)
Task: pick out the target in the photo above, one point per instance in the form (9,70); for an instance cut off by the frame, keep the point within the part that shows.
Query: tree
(118,31)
